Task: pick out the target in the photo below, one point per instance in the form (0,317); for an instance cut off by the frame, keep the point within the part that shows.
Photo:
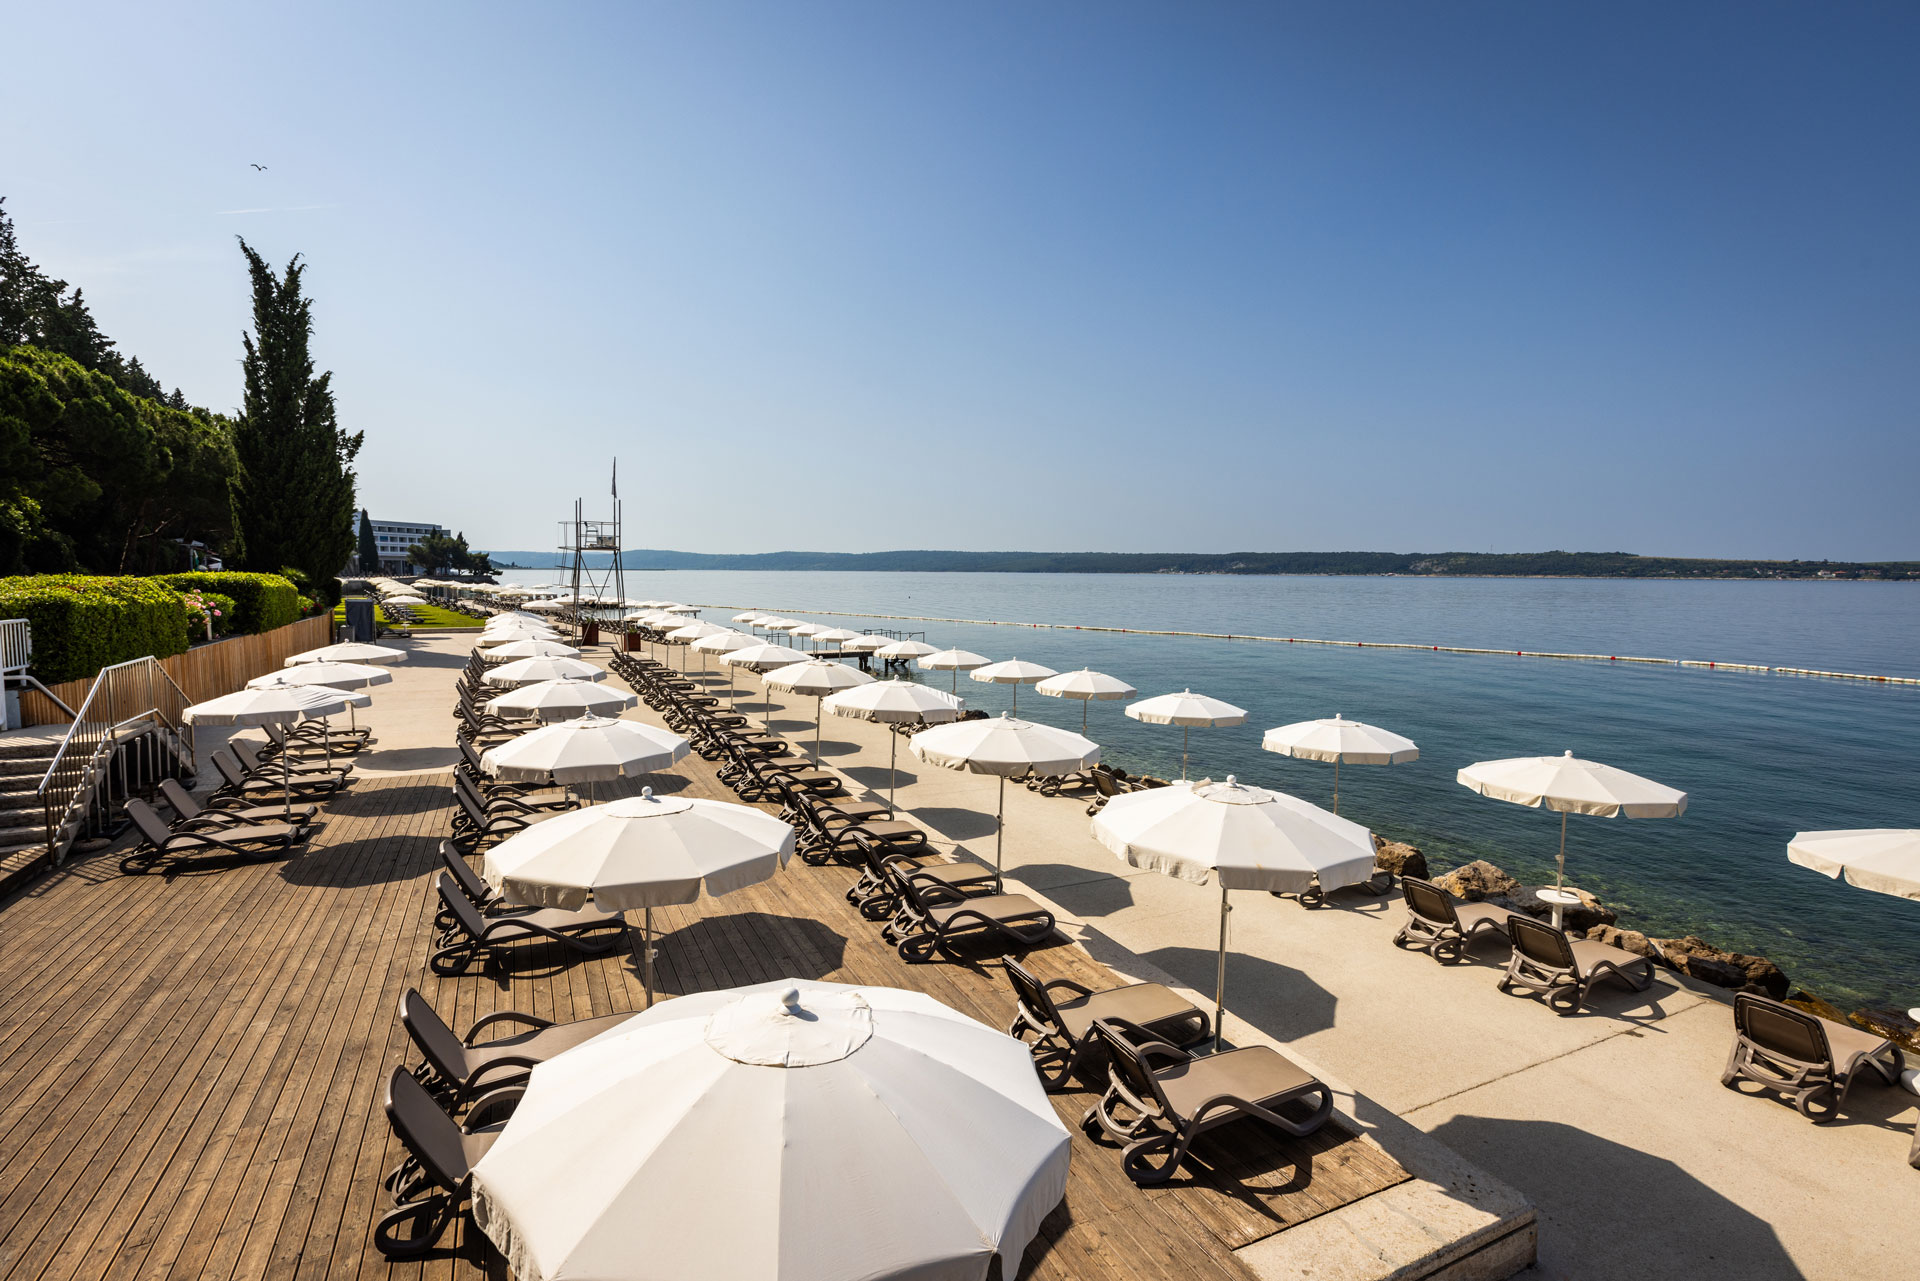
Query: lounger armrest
(1078,989)
(217,843)
(493,1107)
(502,1016)
(940,894)
(1146,1044)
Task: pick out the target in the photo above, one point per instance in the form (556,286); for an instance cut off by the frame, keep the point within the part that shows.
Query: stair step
(22,818)
(37,749)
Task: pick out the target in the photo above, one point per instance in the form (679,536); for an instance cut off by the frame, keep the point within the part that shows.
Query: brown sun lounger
(1442,924)
(1811,1060)
(874,893)
(158,843)
(490,940)
(429,1186)
(829,832)
(465,1067)
(1060,1026)
(196,815)
(1563,969)
(488,903)
(299,771)
(237,784)
(1159,1098)
(928,918)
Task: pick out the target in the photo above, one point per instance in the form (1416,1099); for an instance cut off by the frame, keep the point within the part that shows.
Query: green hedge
(82,623)
(261,602)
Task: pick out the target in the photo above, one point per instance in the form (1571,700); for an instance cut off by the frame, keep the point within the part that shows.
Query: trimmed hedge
(83,623)
(261,602)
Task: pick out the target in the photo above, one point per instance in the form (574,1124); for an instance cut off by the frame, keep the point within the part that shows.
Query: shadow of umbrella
(1608,1210)
(790,947)
(1290,1005)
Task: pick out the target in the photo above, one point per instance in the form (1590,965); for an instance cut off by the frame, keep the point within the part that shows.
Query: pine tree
(295,496)
(369,547)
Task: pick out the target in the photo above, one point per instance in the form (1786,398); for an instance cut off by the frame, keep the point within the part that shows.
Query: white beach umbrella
(561,700)
(403,598)
(1186,709)
(955,661)
(1572,786)
(1012,672)
(748,617)
(507,635)
(763,658)
(588,750)
(1087,686)
(333,675)
(532,649)
(806,629)
(525,671)
(681,609)
(866,642)
(279,704)
(1007,748)
(895,702)
(905,650)
(1885,860)
(641,852)
(834,636)
(349,652)
(685,633)
(859,1132)
(550,606)
(818,677)
(723,642)
(1247,838)
(1337,739)
(513,618)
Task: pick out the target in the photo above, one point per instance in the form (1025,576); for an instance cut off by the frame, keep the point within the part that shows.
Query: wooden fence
(204,672)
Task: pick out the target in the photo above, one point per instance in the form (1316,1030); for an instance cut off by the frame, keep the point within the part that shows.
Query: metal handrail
(127,695)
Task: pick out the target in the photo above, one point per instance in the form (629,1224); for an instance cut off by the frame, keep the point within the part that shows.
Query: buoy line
(1712,664)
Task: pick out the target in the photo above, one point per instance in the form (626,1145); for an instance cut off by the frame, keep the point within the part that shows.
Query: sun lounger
(196,815)
(874,893)
(1811,1060)
(237,783)
(492,940)
(428,1188)
(158,843)
(250,760)
(1444,925)
(1563,969)
(488,903)
(1061,1026)
(828,832)
(465,1067)
(929,918)
(1159,1098)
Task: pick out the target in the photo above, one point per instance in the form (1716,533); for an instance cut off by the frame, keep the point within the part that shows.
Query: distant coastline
(1554,564)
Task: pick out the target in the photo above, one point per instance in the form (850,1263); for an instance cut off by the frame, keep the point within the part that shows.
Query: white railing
(16,645)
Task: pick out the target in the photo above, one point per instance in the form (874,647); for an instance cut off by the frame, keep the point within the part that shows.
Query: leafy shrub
(261,602)
(205,608)
(83,623)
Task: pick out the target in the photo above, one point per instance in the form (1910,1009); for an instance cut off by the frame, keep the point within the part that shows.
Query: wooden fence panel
(204,672)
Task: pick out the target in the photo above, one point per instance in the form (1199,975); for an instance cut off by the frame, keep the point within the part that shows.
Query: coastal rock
(1399,858)
(1805,1000)
(1480,880)
(1587,914)
(1627,940)
(1896,1025)
(1697,958)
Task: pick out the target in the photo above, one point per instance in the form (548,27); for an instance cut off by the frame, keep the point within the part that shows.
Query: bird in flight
(262,167)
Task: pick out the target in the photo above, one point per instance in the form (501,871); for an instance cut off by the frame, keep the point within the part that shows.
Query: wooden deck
(190,1066)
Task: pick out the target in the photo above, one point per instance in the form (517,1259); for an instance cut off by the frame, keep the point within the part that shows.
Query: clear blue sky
(1062,276)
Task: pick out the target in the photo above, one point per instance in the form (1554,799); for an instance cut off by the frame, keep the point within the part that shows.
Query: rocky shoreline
(1483,882)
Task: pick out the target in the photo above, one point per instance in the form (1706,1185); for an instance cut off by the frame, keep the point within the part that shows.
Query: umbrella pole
(956,681)
(1560,879)
(1220,976)
(1000,821)
(1336,784)
(1083,716)
(893,755)
(646,955)
(817,701)
(1186,736)
(286,775)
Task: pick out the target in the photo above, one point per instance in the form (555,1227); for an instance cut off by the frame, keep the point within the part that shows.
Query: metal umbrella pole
(1336,784)
(1220,977)
(646,955)
(1000,822)
(1560,877)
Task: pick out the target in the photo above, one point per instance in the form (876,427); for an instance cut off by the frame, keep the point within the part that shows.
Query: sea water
(1760,756)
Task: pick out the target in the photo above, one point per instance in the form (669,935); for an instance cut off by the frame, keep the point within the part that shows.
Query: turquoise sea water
(1760,756)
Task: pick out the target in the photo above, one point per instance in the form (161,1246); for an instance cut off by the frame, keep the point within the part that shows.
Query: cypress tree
(294,500)
(369,548)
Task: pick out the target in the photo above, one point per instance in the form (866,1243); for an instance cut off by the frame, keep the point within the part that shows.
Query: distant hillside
(1422,564)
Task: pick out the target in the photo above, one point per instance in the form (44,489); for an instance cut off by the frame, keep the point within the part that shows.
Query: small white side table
(1559,900)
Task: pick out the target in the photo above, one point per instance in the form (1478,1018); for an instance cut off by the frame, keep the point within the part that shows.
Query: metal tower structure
(581,537)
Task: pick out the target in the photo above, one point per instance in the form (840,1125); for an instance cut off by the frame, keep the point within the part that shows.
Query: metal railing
(128,732)
(16,645)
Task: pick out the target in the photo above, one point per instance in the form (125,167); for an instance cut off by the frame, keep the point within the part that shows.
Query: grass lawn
(425,616)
